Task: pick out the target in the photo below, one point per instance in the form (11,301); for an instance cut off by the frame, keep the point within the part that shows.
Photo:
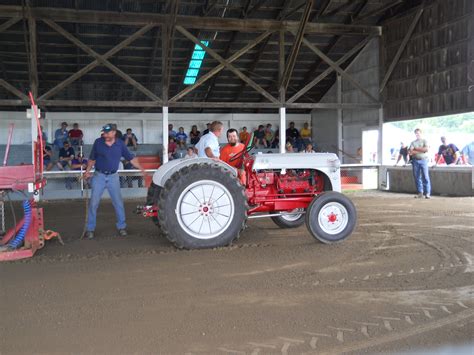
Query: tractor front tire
(289,221)
(202,206)
(331,217)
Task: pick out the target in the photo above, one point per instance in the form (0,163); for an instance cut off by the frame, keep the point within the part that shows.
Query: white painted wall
(147,126)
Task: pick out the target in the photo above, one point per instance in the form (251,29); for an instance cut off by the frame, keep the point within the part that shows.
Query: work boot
(89,235)
(420,195)
(122,232)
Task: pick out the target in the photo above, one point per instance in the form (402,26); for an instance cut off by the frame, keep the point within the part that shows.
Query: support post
(380,140)
(33,62)
(282,129)
(165,134)
(339,119)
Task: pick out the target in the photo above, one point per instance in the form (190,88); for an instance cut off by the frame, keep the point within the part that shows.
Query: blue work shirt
(107,158)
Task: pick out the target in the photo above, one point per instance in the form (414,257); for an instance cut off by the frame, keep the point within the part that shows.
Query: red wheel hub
(332,218)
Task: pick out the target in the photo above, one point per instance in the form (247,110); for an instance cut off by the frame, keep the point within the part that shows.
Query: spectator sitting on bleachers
(79,162)
(44,136)
(276,140)
(172,146)
(309,148)
(47,156)
(66,155)
(190,153)
(76,164)
(293,136)
(244,135)
(305,134)
(75,135)
(259,137)
(171,132)
(206,131)
(130,139)
(269,135)
(60,136)
(194,135)
(181,136)
(180,151)
(289,147)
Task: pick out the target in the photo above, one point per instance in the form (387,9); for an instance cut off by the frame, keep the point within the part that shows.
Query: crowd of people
(182,145)
(64,152)
(447,153)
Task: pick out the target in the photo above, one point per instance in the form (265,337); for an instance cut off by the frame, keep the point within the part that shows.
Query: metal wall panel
(432,76)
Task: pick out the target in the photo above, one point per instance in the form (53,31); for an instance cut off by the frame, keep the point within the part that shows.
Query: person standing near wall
(105,156)
(419,156)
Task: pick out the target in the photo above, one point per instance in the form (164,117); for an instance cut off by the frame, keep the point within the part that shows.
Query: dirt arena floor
(402,282)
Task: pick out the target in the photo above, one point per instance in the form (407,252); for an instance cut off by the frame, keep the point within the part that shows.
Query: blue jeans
(422,177)
(99,183)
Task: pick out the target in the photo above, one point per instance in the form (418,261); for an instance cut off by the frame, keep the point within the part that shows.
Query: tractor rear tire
(202,206)
(152,199)
(331,217)
(289,221)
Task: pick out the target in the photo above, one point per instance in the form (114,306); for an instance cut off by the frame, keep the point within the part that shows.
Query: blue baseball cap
(107,128)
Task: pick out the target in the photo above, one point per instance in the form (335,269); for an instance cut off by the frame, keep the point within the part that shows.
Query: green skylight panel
(195,64)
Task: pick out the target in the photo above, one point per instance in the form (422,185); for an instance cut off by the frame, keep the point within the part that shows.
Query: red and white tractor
(204,203)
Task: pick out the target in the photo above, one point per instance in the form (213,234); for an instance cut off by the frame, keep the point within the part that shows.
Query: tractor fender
(167,170)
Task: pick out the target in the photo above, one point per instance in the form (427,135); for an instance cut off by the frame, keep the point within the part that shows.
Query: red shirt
(228,152)
(75,133)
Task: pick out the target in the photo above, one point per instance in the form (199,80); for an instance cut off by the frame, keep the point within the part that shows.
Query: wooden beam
(167,48)
(13,89)
(228,65)
(196,22)
(280,17)
(103,61)
(164,64)
(379,10)
(221,66)
(296,45)
(400,50)
(7,24)
(338,69)
(333,42)
(329,70)
(281,64)
(243,14)
(191,104)
(96,62)
(33,63)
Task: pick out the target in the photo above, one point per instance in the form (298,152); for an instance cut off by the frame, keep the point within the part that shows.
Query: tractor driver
(233,148)
(208,145)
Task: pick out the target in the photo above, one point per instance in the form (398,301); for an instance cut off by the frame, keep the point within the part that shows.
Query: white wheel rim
(205,209)
(333,218)
(293,216)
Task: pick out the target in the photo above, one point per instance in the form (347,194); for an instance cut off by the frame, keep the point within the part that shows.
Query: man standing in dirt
(105,156)
(419,156)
